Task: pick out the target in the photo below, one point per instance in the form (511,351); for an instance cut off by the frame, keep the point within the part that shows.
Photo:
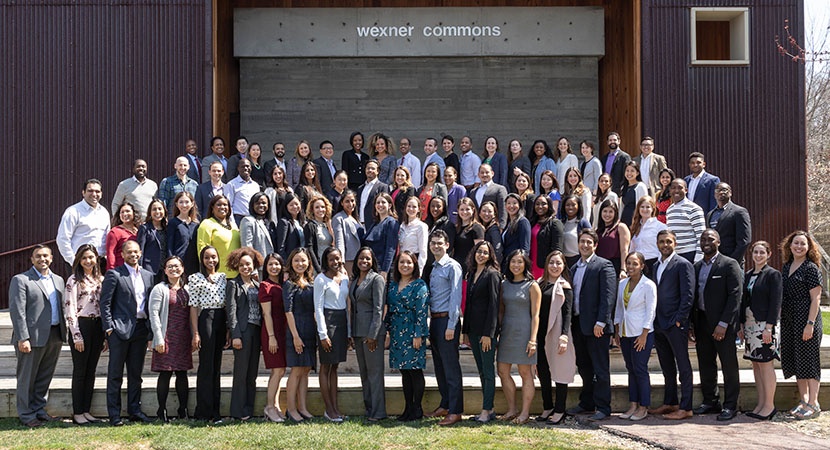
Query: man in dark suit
(701,183)
(279,160)
(217,148)
(367,193)
(325,165)
(732,224)
(124,296)
(241,146)
(718,289)
(488,191)
(614,162)
(38,332)
(191,152)
(210,188)
(675,278)
(595,292)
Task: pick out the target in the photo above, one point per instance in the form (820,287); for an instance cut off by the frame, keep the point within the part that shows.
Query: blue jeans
(636,362)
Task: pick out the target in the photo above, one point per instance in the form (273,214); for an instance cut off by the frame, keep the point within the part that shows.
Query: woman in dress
(455,192)
(801,320)
(331,302)
(309,185)
(407,301)
(82,310)
(574,186)
(244,326)
(347,229)
(550,187)
(644,229)
(339,185)
(318,231)
(181,231)
(300,336)
(367,297)
(523,186)
(572,225)
(481,320)
(382,236)
(664,196)
(152,239)
(220,232)
(491,155)
(633,329)
(290,234)
(273,333)
(632,191)
(591,169)
(489,218)
(123,229)
(516,234)
(431,188)
(603,193)
(557,358)
(169,314)
(565,159)
(760,311)
(413,233)
(256,229)
(207,315)
(276,191)
(354,160)
(402,190)
(546,234)
(517,163)
(257,170)
(541,159)
(614,236)
(382,148)
(294,167)
(519,318)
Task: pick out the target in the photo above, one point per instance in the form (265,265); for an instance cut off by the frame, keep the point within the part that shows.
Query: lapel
(40,283)
(713,270)
(125,273)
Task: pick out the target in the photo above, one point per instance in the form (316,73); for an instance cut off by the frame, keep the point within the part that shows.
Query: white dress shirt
(83,224)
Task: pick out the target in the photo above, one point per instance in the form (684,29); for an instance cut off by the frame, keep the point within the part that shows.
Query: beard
(613,146)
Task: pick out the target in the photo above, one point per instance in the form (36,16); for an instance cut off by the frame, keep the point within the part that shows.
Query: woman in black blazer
(760,312)
(401,190)
(547,237)
(289,234)
(354,161)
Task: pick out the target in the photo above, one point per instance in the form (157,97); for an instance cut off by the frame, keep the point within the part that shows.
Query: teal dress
(406,319)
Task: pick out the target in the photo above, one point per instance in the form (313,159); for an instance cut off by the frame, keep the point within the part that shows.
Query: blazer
(30,310)
(204,194)
(591,170)
(523,163)
(482,307)
(765,299)
(233,164)
(639,314)
(193,172)
(675,293)
(354,167)
(495,193)
(369,207)
(597,295)
(237,306)
(383,239)
(158,311)
(206,162)
(347,235)
(499,165)
(257,234)
(705,192)
(617,169)
(118,305)
(324,173)
(153,251)
(493,235)
(311,243)
(658,163)
(368,299)
(400,201)
(518,239)
(287,238)
(722,293)
(293,167)
(438,190)
(549,239)
(735,230)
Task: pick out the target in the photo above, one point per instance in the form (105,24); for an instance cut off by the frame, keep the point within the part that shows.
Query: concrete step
(351,402)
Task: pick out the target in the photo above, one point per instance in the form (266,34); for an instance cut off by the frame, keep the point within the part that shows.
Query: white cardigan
(641,308)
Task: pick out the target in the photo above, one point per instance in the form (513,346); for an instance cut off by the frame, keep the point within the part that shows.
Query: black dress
(628,198)
(798,357)
(300,302)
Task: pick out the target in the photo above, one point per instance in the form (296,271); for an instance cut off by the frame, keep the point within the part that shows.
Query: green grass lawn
(825,321)
(352,434)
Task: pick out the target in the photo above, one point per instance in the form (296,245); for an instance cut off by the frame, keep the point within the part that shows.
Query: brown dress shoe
(34,423)
(450,420)
(664,409)
(678,415)
(439,412)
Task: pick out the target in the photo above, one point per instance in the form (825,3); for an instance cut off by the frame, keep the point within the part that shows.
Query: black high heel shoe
(182,414)
(162,415)
(558,422)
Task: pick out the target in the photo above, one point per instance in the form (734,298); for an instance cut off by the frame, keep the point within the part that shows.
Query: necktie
(402,161)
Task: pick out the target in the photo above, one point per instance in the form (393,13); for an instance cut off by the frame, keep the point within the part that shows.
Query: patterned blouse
(81,300)
(206,294)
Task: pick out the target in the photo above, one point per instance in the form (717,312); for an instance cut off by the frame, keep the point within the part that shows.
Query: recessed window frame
(738,18)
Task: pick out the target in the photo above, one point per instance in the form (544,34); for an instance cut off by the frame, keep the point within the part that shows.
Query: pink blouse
(81,300)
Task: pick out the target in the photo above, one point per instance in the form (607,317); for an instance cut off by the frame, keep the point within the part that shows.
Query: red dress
(662,207)
(270,292)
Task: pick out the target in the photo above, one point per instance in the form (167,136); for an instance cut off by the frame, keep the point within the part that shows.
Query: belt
(438,315)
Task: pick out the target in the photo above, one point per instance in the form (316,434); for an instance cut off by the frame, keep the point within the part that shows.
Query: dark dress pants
(672,347)
(708,351)
(245,367)
(593,364)
(85,363)
(213,327)
(130,352)
(447,366)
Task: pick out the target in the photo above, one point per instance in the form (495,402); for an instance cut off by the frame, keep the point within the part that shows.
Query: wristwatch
(811,322)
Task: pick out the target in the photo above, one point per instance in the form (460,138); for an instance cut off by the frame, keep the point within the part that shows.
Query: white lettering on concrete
(376,31)
(430,31)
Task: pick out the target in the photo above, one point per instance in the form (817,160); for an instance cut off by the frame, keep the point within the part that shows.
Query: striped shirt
(686,219)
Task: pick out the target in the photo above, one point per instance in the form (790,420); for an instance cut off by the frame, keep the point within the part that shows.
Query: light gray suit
(206,162)
(367,300)
(31,315)
(256,234)
(347,235)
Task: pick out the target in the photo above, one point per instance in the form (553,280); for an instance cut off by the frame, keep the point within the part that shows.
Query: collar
(139,182)
(371,183)
(711,260)
(700,175)
(486,185)
(48,275)
(615,152)
(444,260)
(133,272)
(586,261)
(668,258)
(685,199)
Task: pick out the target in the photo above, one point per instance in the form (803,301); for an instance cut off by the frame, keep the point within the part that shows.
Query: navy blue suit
(705,192)
(324,174)
(518,239)
(597,298)
(204,194)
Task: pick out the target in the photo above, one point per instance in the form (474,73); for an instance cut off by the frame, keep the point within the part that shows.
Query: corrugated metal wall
(85,88)
(748,121)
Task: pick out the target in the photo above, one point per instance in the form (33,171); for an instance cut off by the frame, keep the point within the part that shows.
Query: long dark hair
(430,220)
(566,273)
(492,262)
(78,271)
(265,266)
(528,275)
(532,155)
(396,274)
(356,270)
(513,222)
(202,268)
(601,226)
(535,218)
(665,194)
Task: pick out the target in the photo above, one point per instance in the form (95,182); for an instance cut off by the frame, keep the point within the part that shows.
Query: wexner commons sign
(392,32)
